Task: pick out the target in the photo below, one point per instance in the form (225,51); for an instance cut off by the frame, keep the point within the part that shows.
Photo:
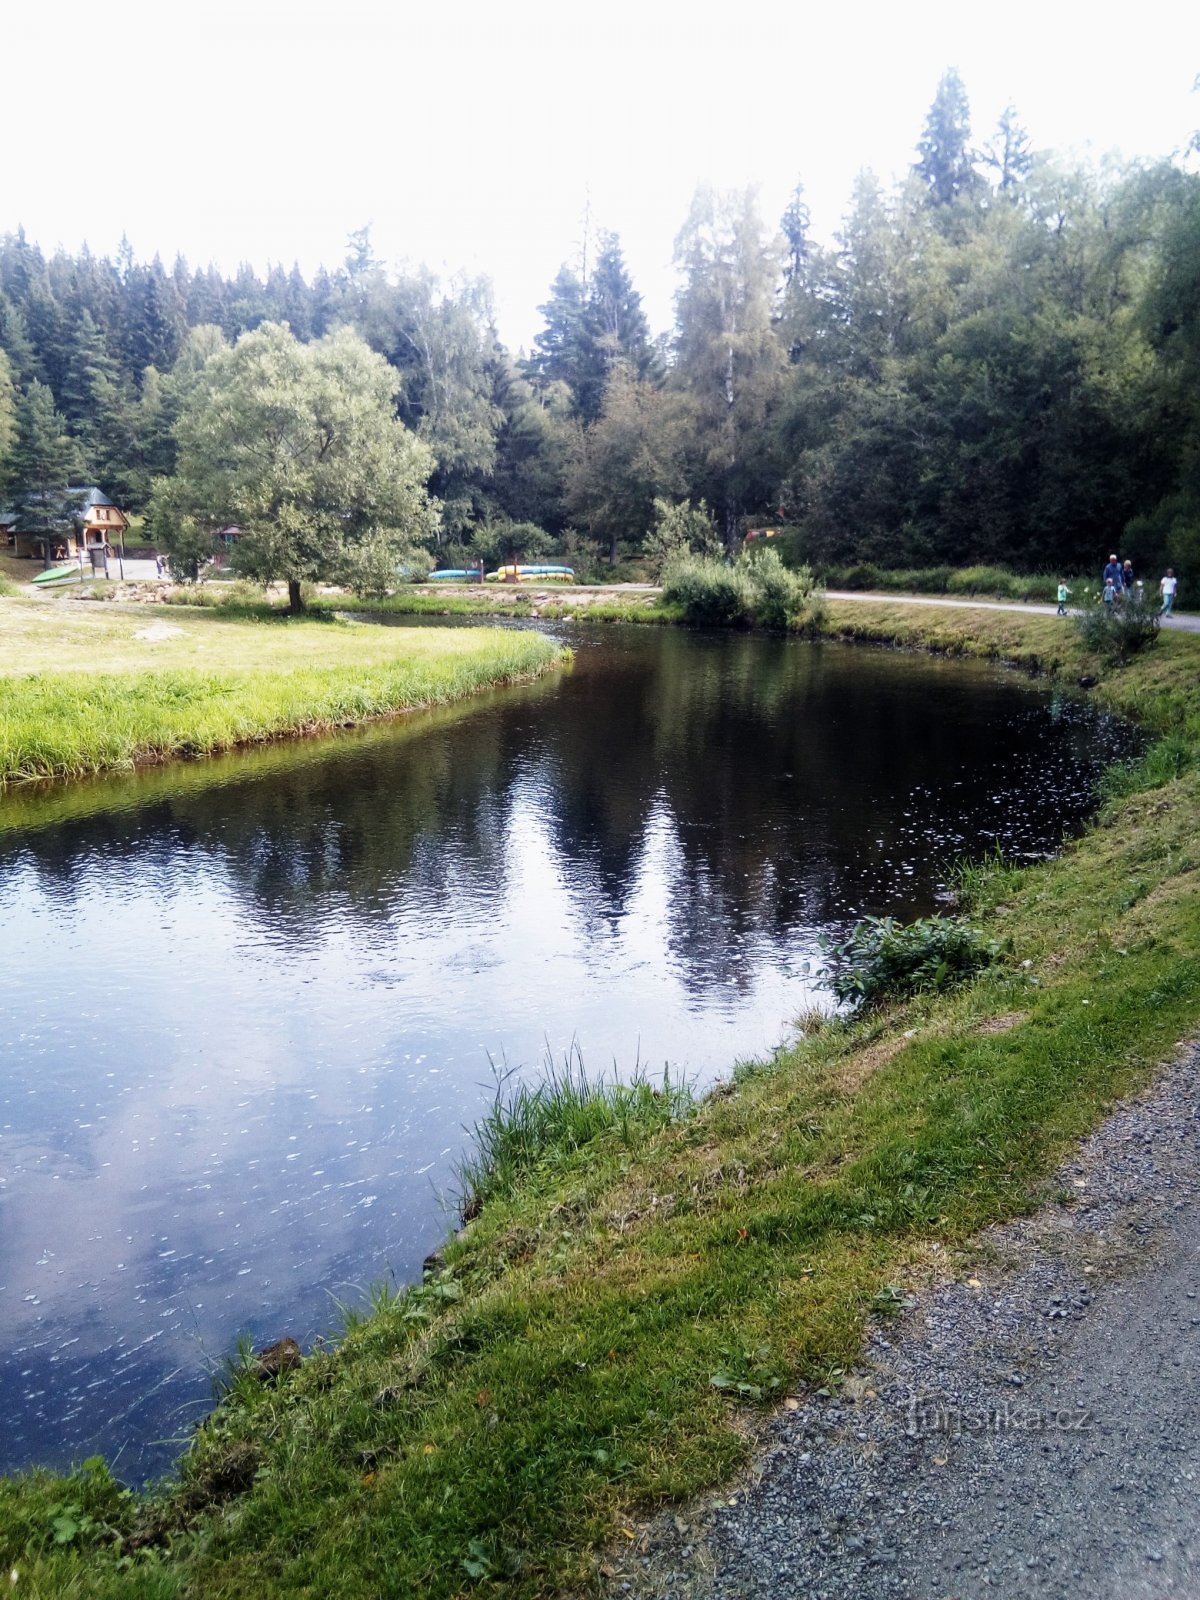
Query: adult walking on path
(1168,586)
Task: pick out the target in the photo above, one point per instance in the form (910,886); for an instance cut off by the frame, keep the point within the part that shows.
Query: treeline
(997,361)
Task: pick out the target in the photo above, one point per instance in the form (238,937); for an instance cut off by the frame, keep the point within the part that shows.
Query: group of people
(1120,580)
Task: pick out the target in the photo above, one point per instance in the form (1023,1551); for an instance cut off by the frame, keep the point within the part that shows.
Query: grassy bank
(86,689)
(592,1340)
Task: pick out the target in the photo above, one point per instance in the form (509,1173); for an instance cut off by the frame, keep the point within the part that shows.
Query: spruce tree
(45,460)
(945,164)
(8,419)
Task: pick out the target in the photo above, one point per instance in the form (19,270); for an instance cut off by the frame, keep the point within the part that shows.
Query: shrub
(996,581)
(882,959)
(781,598)
(708,591)
(679,531)
(1116,632)
(758,589)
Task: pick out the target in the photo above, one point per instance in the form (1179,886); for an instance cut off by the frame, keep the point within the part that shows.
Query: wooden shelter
(86,519)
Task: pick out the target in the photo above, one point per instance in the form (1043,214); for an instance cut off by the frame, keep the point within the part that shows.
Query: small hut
(82,520)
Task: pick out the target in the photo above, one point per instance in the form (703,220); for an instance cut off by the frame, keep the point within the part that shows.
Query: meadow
(85,689)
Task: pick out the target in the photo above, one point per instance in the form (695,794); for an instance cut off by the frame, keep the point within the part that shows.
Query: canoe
(453,572)
(56,574)
(532,575)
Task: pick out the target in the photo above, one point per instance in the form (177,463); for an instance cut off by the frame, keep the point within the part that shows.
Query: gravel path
(1182,623)
(1031,1429)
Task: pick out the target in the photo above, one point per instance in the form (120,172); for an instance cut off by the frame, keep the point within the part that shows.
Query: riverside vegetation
(84,689)
(635,1278)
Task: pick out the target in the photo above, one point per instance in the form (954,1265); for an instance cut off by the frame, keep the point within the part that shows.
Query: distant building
(86,519)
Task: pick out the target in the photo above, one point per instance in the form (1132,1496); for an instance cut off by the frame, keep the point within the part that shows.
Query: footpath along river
(247,1005)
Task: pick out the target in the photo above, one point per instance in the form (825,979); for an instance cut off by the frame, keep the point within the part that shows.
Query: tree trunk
(295,598)
(612,549)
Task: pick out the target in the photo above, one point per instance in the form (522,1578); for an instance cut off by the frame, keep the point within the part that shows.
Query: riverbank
(85,689)
(588,1348)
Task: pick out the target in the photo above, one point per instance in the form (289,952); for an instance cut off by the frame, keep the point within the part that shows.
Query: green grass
(81,692)
(534,1126)
(586,1349)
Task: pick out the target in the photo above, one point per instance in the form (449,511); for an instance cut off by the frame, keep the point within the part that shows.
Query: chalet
(84,520)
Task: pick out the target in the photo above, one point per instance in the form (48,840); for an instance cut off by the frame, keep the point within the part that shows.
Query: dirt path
(1031,1428)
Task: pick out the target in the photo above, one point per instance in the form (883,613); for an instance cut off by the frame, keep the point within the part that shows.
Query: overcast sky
(471,135)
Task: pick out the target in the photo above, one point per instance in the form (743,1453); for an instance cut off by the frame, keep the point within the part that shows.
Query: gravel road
(1031,1428)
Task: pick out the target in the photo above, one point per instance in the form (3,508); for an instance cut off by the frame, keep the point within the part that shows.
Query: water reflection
(246,1006)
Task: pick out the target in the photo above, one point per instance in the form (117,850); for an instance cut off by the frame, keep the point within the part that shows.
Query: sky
(474,137)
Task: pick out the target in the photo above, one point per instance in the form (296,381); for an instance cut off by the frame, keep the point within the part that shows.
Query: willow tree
(298,447)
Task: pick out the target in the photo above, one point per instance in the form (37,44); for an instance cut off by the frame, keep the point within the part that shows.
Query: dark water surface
(246,1005)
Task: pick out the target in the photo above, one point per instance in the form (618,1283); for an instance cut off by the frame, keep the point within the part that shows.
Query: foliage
(758,589)
(881,959)
(783,597)
(1120,630)
(508,542)
(710,593)
(680,530)
(298,447)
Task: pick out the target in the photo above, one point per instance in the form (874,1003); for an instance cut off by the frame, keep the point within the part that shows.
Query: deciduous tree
(298,446)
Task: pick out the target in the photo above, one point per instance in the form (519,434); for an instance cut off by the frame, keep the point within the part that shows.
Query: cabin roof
(80,497)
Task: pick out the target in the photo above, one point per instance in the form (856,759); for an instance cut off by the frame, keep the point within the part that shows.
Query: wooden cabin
(85,520)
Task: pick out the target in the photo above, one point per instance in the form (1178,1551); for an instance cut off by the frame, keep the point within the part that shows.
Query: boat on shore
(535,574)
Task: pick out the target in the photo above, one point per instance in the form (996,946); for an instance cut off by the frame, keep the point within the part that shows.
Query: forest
(995,361)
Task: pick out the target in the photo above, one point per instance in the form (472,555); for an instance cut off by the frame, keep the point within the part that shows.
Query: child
(1110,593)
(1063,596)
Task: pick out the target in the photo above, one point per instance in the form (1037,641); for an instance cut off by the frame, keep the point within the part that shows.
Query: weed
(543,1124)
(882,959)
(1117,631)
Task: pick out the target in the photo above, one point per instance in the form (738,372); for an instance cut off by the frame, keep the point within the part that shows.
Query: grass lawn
(596,1335)
(85,688)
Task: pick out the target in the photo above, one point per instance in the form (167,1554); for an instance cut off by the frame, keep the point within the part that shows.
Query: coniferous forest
(996,361)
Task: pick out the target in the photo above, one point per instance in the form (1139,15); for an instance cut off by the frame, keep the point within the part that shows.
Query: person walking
(1112,574)
(1169,586)
(1064,595)
(1128,581)
(1110,594)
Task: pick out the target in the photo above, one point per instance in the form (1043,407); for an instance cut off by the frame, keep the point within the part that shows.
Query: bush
(679,531)
(882,959)
(709,592)
(759,589)
(996,582)
(1118,631)
(781,598)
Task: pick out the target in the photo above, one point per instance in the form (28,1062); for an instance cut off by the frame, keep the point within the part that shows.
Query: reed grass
(534,1127)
